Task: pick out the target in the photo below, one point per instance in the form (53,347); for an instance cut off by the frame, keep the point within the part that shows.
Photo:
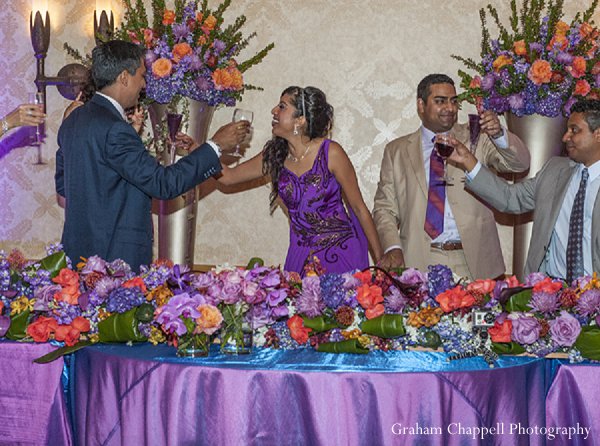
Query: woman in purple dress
(315,180)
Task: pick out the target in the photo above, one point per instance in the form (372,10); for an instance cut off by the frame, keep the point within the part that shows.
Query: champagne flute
(38,99)
(242,115)
(173,124)
(444,148)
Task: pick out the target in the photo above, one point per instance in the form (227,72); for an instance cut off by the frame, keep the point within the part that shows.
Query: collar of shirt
(427,141)
(115,104)
(593,171)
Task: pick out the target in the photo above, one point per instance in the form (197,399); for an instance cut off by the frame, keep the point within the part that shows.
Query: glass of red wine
(173,124)
(444,148)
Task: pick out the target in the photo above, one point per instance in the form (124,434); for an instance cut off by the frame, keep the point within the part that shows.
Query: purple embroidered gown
(320,223)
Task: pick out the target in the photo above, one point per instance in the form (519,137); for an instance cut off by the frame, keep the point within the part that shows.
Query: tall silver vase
(543,138)
(177,217)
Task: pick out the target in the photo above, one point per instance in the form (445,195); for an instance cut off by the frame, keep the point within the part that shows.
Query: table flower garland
(356,312)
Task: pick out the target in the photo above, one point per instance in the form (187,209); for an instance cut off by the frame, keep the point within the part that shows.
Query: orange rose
(561,28)
(364,276)
(168,17)
(501,61)
(80,323)
(582,87)
(180,50)
(162,67)
(547,286)
(222,79)
(210,23)
(237,81)
(136,281)
(377,310)
(558,41)
(199,16)
(540,72)
(520,48)
(69,281)
(210,319)
(578,67)
(454,299)
(298,331)
(148,37)
(68,334)
(369,296)
(482,286)
(501,332)
(202,40)
(67,277)
(512,281)
(585,29)
(41,329)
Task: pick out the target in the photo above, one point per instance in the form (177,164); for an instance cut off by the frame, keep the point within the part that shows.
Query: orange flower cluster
(501,332)
(426,317)
(298,331)
(69,281)
(210,319)
(44,327)
(229,78)
(454,299)
(371,299)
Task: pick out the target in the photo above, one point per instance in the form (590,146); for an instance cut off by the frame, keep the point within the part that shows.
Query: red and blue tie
(436,197)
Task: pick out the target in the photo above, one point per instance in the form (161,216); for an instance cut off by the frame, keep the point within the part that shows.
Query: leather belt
(447,246)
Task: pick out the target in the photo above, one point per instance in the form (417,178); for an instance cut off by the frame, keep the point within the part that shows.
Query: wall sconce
(103,29)
(71,77)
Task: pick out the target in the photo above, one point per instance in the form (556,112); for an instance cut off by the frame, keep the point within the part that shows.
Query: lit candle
(103,5)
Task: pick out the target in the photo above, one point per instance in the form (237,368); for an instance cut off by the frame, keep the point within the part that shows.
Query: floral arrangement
(354,312)
(540,64)
(191,53)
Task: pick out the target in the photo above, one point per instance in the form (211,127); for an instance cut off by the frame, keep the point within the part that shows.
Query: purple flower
(185,305)
(218,46)
(180,31)
(525,329)
(564,58)
(535,46)
(309,302)
(534,278)
(175,325)
(44,296)
(149,59)
(202,281)
(412,277)
(488,81)
(231,292)
(94,264)
(565,329)
(588,303)
(544,302)
(516,101)
(4,325)
(121,300)
(275,297)
(395,301)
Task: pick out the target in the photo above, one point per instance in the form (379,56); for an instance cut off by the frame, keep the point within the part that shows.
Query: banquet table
(143,394)
(32,401)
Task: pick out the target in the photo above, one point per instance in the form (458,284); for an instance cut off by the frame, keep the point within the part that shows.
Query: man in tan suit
(564,243)
(469,242)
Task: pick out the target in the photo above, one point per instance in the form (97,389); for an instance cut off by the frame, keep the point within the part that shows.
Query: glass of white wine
(38,99)
(240,114)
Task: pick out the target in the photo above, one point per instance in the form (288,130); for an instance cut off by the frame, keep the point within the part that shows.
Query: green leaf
(432,339)
(384,326)
(18,326)
(59,352)
(507,348)
(54,263)
(121,327)
(319,324)
(519,302)
(588,343)
(144,313)
(347,346)
(254,262)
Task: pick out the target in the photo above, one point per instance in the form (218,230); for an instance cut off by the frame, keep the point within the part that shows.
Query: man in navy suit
(105,173)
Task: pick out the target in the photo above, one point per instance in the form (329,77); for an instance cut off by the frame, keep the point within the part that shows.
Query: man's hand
(461,157)
(231,135)
(392,259)
(490,124)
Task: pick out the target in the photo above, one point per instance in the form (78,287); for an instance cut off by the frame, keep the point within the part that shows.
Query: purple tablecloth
(32,402)
(573,402)
(124,396)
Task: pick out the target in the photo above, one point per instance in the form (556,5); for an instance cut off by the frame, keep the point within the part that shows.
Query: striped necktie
(575,241)
(436,197)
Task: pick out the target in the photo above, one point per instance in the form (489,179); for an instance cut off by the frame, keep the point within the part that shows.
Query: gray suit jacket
(542,194)
(401,202)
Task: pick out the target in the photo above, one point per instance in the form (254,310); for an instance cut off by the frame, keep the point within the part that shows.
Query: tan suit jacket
(544,194)
(401,202)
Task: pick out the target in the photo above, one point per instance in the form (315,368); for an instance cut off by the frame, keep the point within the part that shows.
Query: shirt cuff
(473,173)
(392,247)
(502,141)
(214,146)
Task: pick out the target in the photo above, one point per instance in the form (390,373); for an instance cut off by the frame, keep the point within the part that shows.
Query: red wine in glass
(444,150)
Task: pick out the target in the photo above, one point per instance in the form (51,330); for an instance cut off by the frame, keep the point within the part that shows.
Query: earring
(295,129)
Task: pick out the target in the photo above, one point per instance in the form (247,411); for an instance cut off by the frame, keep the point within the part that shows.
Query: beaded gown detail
(320,223)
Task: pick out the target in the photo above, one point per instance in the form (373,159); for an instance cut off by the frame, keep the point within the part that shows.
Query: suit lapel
(415,157)
(563,177)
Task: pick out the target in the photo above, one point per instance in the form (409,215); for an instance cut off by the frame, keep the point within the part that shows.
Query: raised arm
(341,167)
(246,171)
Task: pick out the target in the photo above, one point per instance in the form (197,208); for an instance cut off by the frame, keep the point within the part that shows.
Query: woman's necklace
(294,159)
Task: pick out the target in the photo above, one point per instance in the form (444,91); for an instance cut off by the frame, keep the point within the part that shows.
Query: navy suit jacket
(108,179)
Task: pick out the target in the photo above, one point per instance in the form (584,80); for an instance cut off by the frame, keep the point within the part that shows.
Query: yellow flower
(501,61)
(156,336)
(21,304)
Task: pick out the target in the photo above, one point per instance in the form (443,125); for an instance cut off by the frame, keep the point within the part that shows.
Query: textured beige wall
(367,56)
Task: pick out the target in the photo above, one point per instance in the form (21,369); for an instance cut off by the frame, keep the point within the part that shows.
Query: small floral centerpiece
(539,65)
(191,53)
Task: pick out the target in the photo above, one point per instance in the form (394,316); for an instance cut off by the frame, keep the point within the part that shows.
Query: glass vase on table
(37,98)
(444,148)
(237,333)
(240,114)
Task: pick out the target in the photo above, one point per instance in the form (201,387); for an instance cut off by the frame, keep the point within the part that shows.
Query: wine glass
(444,148)
(173,124)
(38,99)
(240,114)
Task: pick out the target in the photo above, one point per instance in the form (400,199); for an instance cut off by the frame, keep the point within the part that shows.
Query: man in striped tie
(423,221)
(565,239)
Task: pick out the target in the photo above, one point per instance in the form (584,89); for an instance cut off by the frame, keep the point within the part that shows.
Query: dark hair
(88,88)
(111,58)
(591,112)
(311,103)
(424,87)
